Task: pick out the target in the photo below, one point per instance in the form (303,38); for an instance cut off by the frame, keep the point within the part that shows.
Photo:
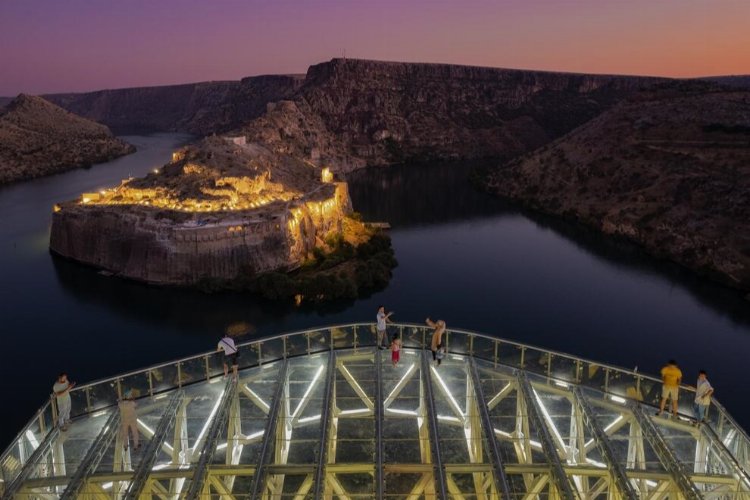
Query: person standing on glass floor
(383,318)
(703,393)
(230,355)
(62,390)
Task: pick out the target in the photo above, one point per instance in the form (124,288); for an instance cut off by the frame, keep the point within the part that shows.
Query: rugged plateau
(668,168)
(39,138)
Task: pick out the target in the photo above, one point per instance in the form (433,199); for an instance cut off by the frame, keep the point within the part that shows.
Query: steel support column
(379,415)
(559,478)
(273,413)
(212,436)
(325,425)
(44,447)
(93,456)
(602,442)
(501,481)
(667,458)
(140,477)
(437,462)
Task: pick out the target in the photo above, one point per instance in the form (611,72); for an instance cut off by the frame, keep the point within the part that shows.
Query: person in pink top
(395,349)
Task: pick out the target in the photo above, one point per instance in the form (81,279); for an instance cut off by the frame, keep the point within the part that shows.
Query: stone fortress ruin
(220,210)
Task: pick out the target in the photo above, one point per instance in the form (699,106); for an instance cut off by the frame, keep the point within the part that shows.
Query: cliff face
(221,211)
(351,113)
(38,138)
(196,108)
(668,169)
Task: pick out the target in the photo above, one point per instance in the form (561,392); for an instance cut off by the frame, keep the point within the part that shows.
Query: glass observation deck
(324,414)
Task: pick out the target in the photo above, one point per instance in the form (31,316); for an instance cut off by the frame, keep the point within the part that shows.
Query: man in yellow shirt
(671,377)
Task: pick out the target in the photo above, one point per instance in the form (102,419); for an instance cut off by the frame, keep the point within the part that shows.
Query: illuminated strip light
(99,413)
(149,432)
(453,401)
(259,399)
(32,439)
(606,429)
(449,418)
(208,421)
(107,486)
(551,423)
(618,399)
(507,435)
(399,385)
(309,419)
(411,413)
(356,411)
(564,385)
(307,393)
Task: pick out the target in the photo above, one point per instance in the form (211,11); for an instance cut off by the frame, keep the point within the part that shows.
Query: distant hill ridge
(39,138)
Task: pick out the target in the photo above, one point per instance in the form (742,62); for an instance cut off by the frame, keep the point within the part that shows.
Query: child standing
(395,349)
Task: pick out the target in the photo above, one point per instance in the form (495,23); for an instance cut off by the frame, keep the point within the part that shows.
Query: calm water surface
(463,257)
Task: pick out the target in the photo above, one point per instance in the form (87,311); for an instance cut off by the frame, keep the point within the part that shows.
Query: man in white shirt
(382,319)
(62,390)
(703,392)
(230,354)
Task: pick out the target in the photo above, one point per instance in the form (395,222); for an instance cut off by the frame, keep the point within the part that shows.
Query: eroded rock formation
(668,169)
(38,138)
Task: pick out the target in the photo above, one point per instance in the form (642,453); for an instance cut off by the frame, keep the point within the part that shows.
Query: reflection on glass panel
(164,378)
(137,383)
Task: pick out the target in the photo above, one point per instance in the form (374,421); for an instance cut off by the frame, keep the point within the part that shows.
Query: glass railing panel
(456,342)
(249,355)
(563,368)
(416,337)
(342,337)
(164,378)
(593,375)
(484,348)
(536,361)
(100,395)
(138,383)
(509,354)
(297,345)
(272,350)
(320,340)
(194,370)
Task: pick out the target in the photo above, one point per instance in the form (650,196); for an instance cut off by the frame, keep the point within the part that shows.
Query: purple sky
(78,45)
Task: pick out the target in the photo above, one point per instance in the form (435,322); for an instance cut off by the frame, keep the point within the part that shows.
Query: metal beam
(32,462)
(325,425)
(602,442)
(665,454)
(141,474)
(558,476)
(501,481)
(437,462)
(212,436)
(93,456)
(379,415)
(273,414)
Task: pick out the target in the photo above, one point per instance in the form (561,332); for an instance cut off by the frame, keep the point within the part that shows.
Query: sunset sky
(79,45)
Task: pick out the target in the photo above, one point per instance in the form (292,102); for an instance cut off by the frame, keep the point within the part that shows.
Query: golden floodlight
(326,175)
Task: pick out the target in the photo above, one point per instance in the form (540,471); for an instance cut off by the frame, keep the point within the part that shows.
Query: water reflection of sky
(463,256)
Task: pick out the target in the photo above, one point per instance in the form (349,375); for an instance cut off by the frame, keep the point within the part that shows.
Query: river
(465,257)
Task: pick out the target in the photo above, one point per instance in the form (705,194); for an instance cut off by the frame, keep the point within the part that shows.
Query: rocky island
(221,214)
(38,138)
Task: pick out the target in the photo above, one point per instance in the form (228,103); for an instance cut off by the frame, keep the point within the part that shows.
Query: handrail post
(207,365)
(179,374)
(260,353)
(151,383)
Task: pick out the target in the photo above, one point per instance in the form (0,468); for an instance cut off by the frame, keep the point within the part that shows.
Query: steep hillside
(669,169)
(38,138)
(351,113)
(196,108)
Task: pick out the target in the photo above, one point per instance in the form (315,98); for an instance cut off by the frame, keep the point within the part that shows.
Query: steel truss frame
(574,437)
